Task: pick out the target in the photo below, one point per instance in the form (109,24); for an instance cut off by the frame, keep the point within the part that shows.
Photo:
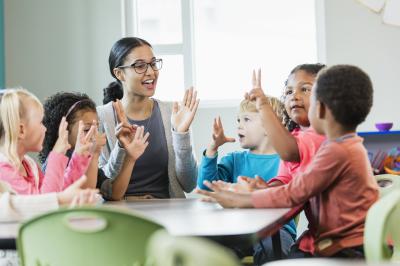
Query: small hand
(84,142)
(75,195)
(251,184)
(226,198)
(62,144)
(138,145)
(218,136)
(257,93)
(100,141)
(183,114)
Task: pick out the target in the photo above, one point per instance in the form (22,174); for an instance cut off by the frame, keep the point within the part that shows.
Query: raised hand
(62,144)
(100,141)
(183,114)
(257,94)
(219,138)
(138,145)
(123,131)
(84,142)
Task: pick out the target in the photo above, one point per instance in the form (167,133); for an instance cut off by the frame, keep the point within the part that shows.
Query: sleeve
(211,171)
(21,207)
(53,180)
(12,180)
(283,174)
(322,172)
(77,167)
(111,164)
(185,162)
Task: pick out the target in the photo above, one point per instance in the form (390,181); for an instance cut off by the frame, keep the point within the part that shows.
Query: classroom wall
(53,45)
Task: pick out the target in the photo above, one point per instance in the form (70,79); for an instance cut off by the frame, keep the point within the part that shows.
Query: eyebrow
(142,60)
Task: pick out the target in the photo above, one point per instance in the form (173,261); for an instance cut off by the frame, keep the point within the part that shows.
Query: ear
(22,131)
(119,73)
(321,110)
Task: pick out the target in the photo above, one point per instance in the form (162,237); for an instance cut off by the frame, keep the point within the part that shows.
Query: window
(215,44)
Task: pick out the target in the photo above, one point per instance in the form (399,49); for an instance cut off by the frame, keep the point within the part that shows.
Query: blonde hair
(13,110)
(250,106)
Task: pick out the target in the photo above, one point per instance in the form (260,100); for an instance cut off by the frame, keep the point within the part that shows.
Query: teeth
(149,81)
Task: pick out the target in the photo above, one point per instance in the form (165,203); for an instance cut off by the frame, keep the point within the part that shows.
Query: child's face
(35,130)
(87,118)
(140,84)
(250,130)
(313,115)
(297,96)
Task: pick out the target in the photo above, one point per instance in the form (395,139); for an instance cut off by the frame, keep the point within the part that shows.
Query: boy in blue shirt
(259,159)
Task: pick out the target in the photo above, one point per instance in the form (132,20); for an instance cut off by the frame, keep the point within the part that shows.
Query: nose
(149,70)
(296,95)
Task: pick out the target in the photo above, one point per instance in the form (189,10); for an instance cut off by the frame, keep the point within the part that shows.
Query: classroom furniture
(85,236)
(167,250)
(381,227)
(324,262)
(387,183)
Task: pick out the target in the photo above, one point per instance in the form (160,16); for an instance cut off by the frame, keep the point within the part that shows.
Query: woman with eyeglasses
(167,167)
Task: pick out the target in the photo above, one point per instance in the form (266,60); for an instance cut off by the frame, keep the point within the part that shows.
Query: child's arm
(210,171)
(283,142)
(115,188)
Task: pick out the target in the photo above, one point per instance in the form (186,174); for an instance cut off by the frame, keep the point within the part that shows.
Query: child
(79,107)
(338,185)
(22,131)
(75,107)
(259,160)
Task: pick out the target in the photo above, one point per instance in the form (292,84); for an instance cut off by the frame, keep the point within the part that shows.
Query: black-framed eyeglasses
(141,67)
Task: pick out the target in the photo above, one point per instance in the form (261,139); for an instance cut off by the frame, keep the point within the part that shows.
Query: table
(193,217)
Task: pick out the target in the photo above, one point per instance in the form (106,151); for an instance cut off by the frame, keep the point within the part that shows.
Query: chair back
(85,236)
(382,227)
(387,183)
(167,250)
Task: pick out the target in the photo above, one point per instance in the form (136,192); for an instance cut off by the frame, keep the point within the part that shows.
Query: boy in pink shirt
(338,186)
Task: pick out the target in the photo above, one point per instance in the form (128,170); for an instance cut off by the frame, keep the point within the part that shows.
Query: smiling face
(297,96)
(250,130)
(139,84)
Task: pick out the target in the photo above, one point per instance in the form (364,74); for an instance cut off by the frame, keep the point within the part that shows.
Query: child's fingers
(208,199)
(91,133)
(229,139)
(211,186)
(204,192)
(259,78)
(254,79)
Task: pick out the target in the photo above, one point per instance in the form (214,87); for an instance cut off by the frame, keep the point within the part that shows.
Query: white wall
(54,45)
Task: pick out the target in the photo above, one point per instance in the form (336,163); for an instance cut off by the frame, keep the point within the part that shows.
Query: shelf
(376,133)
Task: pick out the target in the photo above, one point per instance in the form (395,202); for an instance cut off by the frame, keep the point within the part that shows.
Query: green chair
(382,224)
(387,183)
(167,250)
(85,236)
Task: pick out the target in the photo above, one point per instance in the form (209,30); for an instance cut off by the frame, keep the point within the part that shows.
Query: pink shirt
(56,178)
(338,187)
(308,143)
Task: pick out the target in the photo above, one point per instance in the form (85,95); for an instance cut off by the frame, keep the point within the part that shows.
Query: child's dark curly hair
(57,106)
(312,69)
(347,91)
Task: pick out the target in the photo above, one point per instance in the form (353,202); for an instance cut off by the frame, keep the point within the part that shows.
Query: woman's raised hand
(183,114)
(123,131)
(62,144)
(138,145)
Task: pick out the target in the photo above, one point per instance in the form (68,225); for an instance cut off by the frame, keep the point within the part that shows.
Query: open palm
(183,114)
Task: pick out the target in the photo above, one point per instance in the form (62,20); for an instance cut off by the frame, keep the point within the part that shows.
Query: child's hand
(123,131)
(139,143)
(257,93)
(251,184)
(84,142)
(219,138)
(62,144)
(226,198)
(75,195)
(100,141)
(183,114)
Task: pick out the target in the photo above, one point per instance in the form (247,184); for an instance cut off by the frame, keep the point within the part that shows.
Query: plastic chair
(167,250)
(85,236)
(382,223)
(387,183)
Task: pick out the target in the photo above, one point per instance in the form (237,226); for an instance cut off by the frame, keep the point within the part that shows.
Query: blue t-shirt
(240,163)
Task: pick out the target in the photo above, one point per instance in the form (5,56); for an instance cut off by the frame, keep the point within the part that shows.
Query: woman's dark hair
(311,69)
(117,56)
(57,106)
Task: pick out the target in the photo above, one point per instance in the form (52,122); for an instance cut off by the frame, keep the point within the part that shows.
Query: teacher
(167,167)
